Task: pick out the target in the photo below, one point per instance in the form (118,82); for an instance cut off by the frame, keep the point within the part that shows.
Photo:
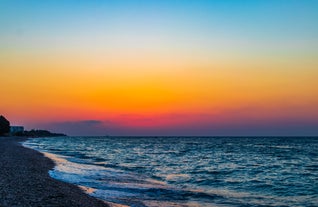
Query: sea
(188,171)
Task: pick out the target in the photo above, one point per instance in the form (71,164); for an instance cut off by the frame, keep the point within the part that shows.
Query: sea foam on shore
(189,171)
(24,180)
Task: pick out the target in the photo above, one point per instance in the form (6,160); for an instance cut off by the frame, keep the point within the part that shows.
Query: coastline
(24,180)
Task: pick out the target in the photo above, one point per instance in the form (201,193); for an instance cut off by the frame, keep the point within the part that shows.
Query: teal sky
(253,23)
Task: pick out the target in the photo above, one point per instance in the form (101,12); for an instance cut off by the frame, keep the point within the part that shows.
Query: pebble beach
(25,182)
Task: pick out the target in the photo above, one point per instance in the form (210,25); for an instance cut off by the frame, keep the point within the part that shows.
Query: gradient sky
(165,67)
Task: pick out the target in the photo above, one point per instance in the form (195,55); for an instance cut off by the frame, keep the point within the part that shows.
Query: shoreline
(24,180)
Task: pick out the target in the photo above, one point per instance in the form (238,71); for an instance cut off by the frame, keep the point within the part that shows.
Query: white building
(16,129)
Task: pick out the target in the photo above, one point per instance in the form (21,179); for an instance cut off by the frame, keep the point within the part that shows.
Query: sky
(161,67)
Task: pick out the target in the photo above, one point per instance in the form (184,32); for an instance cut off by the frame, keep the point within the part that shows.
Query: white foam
(87,190)
(115,179)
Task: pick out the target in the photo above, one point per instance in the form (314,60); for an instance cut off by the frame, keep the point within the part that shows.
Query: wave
(167,172)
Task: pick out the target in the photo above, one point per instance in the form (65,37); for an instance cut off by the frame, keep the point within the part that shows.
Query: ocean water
(188,171)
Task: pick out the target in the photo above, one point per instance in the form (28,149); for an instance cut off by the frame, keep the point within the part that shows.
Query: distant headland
(7,130)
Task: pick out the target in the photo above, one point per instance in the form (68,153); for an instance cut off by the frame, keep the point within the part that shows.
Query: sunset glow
(161,67)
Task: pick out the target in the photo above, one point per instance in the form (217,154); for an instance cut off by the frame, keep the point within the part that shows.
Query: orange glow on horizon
(170,69)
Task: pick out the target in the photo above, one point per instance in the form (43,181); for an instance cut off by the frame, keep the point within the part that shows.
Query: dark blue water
(189,171)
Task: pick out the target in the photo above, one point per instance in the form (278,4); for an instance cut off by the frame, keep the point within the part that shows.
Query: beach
(24,180)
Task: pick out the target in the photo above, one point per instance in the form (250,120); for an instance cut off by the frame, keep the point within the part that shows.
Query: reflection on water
(190,171)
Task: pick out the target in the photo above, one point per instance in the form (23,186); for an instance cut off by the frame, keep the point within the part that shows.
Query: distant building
(16,129)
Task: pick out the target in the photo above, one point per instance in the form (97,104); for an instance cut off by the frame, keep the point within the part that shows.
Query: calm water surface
(189,171)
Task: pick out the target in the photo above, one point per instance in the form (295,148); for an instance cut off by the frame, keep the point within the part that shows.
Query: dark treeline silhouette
(5,131)
(4,126)
(39,133)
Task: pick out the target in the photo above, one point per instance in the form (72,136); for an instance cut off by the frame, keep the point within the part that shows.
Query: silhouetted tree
(40,133)
(4,125)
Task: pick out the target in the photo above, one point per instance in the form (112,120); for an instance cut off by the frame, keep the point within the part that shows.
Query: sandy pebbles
(24,180)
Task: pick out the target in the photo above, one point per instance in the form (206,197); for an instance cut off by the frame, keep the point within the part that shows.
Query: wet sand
(25,182)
